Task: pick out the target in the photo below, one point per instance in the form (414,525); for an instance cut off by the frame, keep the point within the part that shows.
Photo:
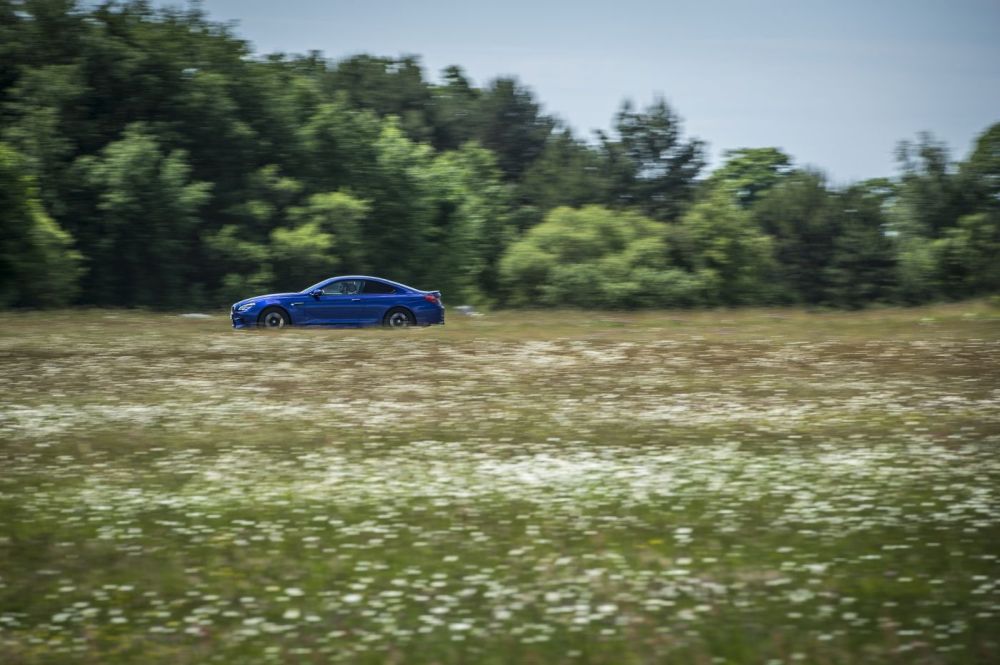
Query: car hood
(267,296)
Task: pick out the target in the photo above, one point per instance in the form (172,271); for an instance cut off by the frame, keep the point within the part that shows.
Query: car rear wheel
(398,318)
(272,317)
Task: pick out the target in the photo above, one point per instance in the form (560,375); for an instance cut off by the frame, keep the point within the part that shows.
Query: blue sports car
(352,300)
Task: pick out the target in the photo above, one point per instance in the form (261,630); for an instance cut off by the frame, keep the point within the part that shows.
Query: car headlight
(246,307)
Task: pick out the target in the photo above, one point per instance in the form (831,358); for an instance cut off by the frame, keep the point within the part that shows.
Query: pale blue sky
(836,84)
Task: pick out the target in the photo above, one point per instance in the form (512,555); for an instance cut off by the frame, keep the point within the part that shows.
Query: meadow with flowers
(756,486)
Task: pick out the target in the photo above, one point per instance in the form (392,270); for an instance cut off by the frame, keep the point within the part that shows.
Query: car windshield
(317,285)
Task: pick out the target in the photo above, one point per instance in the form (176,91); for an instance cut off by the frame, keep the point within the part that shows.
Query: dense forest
(151,158)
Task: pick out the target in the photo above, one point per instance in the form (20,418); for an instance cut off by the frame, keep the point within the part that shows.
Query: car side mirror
(317,293)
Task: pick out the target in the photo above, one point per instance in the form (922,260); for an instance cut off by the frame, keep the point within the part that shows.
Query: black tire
(273,318)
(398,317)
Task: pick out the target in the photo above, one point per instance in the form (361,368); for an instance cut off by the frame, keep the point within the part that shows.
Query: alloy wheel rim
(274,320)
(398,320)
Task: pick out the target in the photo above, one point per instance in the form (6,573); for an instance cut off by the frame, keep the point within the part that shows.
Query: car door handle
(355,299)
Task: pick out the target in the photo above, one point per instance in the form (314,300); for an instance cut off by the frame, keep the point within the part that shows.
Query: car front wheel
(272,317)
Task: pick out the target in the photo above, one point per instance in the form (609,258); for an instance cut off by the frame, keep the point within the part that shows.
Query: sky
(836,84)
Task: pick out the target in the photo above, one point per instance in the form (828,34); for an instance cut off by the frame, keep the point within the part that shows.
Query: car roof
(376,279)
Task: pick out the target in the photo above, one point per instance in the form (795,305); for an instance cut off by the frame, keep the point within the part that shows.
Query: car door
(376,298)
(338,304)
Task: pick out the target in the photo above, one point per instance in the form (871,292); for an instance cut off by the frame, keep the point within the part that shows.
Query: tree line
(150,158)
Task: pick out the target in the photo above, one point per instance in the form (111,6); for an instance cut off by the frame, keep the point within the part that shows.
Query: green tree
(268,195)
(650,165)
(219,145)
(727,251)
(148,226)
(300,254)
(591,256)
(933,196)
(862,267)
(981,172)
(511,124)
(930,201)
(967,256)
(325,238)
(38,265)
(471,225)
(398,233)
(567,173)
(455,110)
(42,106)
(244,265)
(341,147)
(14,49)
(748,173)
(798,215)
(387,87)
(237,254)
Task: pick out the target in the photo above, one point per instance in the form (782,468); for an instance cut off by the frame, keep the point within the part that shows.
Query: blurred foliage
(152,159)
(749,173)
(650,165)
(799,213)
(37,264)
(143,251)
(729,253)
(589,256)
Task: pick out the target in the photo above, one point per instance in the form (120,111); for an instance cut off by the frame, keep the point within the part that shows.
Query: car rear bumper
(430,316)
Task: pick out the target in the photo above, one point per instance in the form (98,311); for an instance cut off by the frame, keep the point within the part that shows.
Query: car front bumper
(244,320)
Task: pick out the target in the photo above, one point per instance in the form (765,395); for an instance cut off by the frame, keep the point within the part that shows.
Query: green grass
(524,487)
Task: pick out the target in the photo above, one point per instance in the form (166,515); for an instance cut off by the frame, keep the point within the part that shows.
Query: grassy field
(762,486)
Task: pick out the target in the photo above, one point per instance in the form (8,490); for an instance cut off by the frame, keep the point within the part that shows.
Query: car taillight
(430,297)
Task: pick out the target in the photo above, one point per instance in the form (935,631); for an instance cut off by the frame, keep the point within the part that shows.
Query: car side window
(333,288)
(372,286)
(344,287)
